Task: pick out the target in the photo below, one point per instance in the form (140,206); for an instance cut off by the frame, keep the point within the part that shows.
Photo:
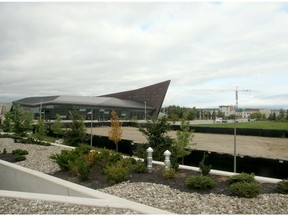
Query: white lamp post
(91,113)
(145,110)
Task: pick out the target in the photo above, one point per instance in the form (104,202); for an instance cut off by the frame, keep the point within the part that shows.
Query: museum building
(139,104)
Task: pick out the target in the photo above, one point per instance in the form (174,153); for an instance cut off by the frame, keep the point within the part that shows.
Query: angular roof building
(139,103)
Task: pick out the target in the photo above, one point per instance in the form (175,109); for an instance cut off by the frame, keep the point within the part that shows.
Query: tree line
(177,113)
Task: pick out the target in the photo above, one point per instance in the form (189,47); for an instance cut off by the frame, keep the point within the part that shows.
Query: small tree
(57,126)
(115,132)
(76,134)
(156,133)
(205,169)
(18,121)
(41,129)
(183,138)
(7,124)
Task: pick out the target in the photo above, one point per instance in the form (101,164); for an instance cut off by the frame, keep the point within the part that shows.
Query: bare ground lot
(276,148)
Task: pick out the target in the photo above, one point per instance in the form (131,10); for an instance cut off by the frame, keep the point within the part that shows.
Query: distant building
(227,110)
(4,108)
(139,104)
(207,113)
(247,112)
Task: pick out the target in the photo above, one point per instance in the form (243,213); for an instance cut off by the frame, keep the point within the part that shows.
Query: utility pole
(235,121)
(235,127)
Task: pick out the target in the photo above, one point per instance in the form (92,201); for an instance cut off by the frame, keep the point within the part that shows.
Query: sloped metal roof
(150,96)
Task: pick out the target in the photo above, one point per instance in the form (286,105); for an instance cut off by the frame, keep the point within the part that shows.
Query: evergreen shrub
(245,189)
(31,140)
(19,152)
(205,169)
(282,186)
(200,182)
(169,173)
(116,173)
(63,159)
(83,169)
(20,158)
(240,178)
(139,167)
(107,158)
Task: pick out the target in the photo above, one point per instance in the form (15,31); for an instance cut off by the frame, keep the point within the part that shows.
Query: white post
(167,163)
(149,159)
(145,111)
(91,136)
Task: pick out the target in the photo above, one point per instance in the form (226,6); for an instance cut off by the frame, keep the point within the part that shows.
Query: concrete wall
(17,178)
(17,181)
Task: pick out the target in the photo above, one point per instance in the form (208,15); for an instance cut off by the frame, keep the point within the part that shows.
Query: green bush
(245,189)
(19,152)
(205,169)
(20,158)
(200,182)
(116,173)
(242,177)
(127,162)
(169,173)
(83,169)
(107,157)
(282,186)
(31,140)
(64,158)
(139,167)
(83,149)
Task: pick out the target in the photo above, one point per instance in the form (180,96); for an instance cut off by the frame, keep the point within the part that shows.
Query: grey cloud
(98,48)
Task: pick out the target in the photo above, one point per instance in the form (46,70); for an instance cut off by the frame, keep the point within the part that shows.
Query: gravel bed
(152,194)
(23,206)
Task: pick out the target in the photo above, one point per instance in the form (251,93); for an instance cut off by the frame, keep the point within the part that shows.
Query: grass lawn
(274,125)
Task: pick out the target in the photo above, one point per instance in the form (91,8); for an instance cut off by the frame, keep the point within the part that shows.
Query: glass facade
(50,111)
(143,103)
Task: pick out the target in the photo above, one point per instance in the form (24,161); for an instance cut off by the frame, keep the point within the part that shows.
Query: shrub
(83,169)
(242,177)
(79,168)
(205,169)
(116,173)
(282,186)
(83,149)
(200,182)
(107,157)
(139,167)
(169,173)
(19,152)
(64,157)
(20,158)
(127,162)
(245,189)
(31,140)
(90,158)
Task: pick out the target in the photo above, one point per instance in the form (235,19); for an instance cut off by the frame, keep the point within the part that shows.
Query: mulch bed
(97,180)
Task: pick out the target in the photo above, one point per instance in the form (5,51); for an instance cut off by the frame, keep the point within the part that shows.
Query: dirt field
(276,148)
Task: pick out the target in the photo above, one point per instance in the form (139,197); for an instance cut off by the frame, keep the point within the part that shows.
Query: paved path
(246,145)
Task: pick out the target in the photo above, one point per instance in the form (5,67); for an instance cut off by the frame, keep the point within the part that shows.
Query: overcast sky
(97,48)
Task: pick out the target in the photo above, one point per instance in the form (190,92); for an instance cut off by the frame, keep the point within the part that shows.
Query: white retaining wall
(17,181)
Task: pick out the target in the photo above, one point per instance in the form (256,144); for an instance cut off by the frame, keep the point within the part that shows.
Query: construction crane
(235,110)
